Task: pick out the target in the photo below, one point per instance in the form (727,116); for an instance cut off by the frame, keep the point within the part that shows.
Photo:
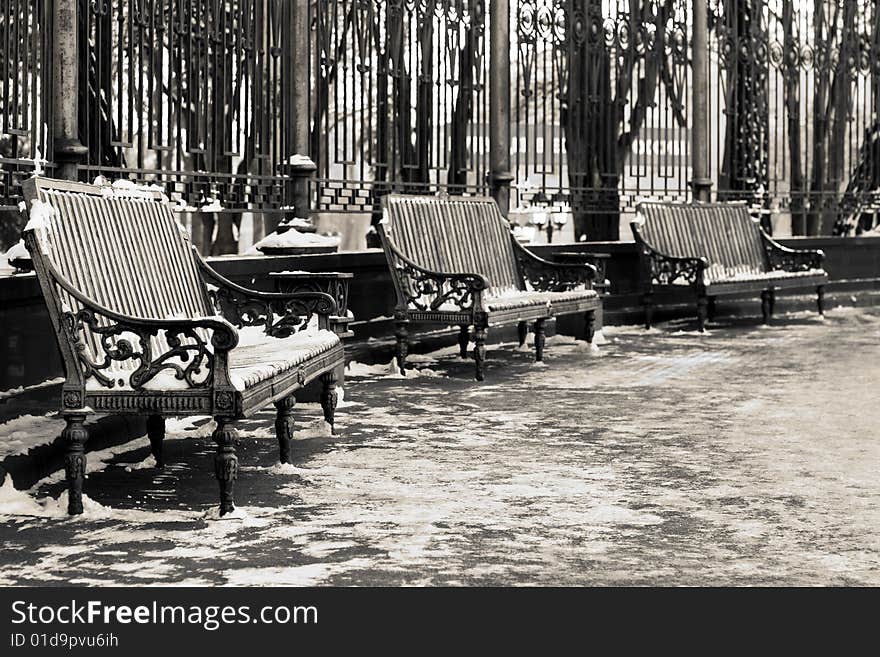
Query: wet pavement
(745,456)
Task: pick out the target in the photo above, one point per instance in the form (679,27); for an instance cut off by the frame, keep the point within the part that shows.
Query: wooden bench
(146,327)
(454,261)
(717,249)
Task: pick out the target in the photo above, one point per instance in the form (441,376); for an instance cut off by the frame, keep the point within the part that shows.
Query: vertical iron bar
(500,175)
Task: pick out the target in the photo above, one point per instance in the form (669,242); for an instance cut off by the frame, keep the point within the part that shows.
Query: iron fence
(189,94)
(26,134)
(197,96)
(399,98)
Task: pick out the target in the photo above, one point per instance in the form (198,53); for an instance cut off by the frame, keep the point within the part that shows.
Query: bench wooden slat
(454,235)
(126,253)
(725,234)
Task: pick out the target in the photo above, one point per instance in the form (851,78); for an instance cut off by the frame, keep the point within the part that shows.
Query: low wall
(27,345)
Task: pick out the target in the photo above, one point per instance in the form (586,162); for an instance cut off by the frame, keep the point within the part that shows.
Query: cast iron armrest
(547,276)
(783,258)
(663,269)
(281,313)
(189,358)
(429,290)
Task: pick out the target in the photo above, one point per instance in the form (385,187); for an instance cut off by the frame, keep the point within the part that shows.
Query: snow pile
(211,205)
(285,469)
(17,252)
(387,371)
(12,392)
(292,238)
(580,346)
(147,464)
(298,159)
(21,434)
(315,429)
(40,215)
(298,222)
(124,188)
(14,502)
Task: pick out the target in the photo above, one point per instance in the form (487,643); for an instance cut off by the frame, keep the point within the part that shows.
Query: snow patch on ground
(14,502)
(389,370)
(306,575)
(12,392)
(24,433)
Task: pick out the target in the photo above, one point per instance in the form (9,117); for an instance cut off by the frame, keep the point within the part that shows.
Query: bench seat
(779,278)
(544,304)
(454,261)
(251,364)
(716,249)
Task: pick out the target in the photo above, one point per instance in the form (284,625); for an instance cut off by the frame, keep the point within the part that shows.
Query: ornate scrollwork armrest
(668,270)
(428,290)
(189,349)
(280,314)
(663,269)
(783,258)
(546,276)
(193,350)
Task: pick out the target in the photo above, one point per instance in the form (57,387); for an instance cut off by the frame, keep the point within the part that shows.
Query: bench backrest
(724,233)
(122,248)
(453,235)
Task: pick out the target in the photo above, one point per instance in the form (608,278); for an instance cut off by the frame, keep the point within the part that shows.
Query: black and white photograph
(437,294)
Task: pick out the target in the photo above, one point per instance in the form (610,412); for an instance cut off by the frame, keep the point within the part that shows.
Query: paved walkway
(745,456)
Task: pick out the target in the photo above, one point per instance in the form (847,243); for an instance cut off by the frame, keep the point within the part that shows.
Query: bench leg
(329,397)
(589,325)
(402,335)
(820,299)
(648,304)
(284,426)
(765,306)
(156,434)
(523,330)
(539,340)
(702,311)
(710,310)
(479,351)
(463,338)
(75,436)
(226,462)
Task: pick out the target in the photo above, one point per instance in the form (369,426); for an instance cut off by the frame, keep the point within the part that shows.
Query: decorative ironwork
(279,314)
(782,258)
(189,357)
(26,120)
(600,106)
(545,276)
(428,290)
(192,95)
(399,99)
(197,96)
(663,269)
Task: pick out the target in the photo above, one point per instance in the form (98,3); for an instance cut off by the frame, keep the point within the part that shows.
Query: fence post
(65,91)
(702,181)
(295,76)
(500,176)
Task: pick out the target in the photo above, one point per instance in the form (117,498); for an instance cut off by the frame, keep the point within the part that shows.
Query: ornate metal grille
(197,95)
(25,106)
(189,93)
(600,106)
(796,101)
(399,98)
